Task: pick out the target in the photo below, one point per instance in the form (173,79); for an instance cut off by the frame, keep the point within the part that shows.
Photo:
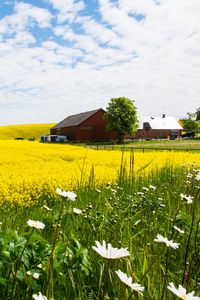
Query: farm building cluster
(91,126)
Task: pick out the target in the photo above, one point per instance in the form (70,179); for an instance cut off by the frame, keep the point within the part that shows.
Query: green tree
(189,123)
(121,115)
(198,114)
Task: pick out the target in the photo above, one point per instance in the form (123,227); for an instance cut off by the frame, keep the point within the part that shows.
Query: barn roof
(163,123)
(77,119)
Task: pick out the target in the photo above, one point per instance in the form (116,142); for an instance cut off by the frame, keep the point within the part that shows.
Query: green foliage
(190,123)
(198,114)
(121,115)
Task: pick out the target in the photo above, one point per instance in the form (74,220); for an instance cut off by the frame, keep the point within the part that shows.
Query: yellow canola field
(30,170)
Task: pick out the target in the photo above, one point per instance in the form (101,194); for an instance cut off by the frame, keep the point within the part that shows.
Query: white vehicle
(53,139)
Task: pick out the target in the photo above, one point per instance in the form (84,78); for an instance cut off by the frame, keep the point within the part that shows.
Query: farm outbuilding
(160,128)
(84,127)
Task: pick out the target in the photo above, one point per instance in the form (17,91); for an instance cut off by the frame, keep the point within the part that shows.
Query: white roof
(163,123)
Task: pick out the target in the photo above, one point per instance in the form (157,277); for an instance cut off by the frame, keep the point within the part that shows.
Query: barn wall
(157,133)
(94,129)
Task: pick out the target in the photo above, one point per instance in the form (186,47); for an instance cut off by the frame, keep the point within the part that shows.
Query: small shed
(160,128)
(84,127)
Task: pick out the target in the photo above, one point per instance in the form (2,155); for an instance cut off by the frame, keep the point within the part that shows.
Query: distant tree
(198,114)
(189,123)
(121,115)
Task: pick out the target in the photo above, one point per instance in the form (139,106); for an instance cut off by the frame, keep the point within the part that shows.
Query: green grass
(25,131)
(168,144)
(128,214)
(182,144)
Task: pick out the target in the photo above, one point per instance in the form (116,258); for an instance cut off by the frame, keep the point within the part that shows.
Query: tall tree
(189,123)
(198,114)
(121,115)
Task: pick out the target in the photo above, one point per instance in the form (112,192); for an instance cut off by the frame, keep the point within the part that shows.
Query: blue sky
(61,57)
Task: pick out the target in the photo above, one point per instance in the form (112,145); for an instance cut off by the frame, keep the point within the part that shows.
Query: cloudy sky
(61,57)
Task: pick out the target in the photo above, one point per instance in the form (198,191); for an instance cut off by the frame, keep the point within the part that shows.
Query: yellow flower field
(30,169)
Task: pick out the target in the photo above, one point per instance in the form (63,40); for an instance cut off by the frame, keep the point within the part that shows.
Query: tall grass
(127,214)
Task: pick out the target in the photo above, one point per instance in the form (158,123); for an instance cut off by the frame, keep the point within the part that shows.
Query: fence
(143,149)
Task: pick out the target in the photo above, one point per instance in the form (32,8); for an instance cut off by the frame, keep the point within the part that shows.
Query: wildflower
(110,252)
(181,292)
(77,211)
(47,208)
(119,188)
(36,224)
(178,229)
(152,187)
(197,177)
(145,188)
(39,297)
(128,281)
(39,266)
(140,193)
(97,190)
(189,175)
(161,239)
(28,273)
(36,275)
(189,199)
(70,195)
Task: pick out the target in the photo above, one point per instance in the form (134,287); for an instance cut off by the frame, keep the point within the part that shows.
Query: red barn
(83,127)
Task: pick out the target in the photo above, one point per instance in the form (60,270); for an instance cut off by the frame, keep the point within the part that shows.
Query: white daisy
(110,252)
(39,297)
(36,275)
(197,177)
(178,229)
(77,211)
(39,266)
(128,281)
(189,199)
(181,292)
(70,195)
(36,224)
(162,239)
(47,208)
(152,187)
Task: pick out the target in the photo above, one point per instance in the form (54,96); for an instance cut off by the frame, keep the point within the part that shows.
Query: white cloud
(67,10)
(153,60)
(23,18)
(39,15)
